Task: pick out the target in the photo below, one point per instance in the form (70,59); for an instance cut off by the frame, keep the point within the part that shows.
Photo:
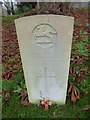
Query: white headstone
(45,46)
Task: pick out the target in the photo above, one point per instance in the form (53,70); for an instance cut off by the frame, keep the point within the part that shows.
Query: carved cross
(46,81)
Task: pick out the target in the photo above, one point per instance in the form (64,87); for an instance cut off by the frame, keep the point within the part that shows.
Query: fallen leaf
(6,98)
(87,107)
(73,92)
(70,89)
(80,78)
(24,99)
(24,93)
(0,91)
(73,98)
(26,103)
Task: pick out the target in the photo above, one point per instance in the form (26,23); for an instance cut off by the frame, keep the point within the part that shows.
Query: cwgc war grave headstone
(45,47)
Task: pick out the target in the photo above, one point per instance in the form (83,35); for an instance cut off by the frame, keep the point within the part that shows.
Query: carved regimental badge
(44,35)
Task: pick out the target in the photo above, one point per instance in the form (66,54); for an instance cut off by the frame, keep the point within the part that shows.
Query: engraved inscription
(44,35)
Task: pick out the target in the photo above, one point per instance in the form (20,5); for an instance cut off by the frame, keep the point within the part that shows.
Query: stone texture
(45,47)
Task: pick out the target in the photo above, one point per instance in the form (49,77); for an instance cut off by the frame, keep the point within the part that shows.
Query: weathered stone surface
(45,46)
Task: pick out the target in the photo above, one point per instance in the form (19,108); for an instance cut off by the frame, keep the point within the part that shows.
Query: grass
(9,19)
(16,110)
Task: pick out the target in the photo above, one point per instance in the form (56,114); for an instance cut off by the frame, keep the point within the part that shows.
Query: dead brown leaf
(73,92)
(26,103)
(24,99)
(87,107)
(24,93)
(6,98)
(0,91)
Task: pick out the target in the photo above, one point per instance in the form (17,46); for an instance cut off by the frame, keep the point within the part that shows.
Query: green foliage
(20,87)
(25,6)
(16,84)
(84,87)
(11,59)
(81,49)
(69,110)
(7,85)
(82,46)
(82,32)
(26,9)
(9,19)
